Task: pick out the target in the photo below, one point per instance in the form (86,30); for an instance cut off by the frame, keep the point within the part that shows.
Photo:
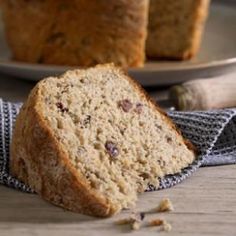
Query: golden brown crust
(176,37)
(37,158)
(77,32)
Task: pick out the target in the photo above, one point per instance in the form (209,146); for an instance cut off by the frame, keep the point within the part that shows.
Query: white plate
(217,55)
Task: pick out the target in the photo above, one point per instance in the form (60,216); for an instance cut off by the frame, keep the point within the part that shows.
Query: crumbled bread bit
(134,220)
(165,205)
(166,227)
(156,222)
(124,221)
(131,219)
(135,225)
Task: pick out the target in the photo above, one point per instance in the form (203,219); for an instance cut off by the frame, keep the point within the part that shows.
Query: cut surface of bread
(77,32)
(175,28)
(91,140)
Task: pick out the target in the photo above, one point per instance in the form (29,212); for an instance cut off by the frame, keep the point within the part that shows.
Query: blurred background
(164,65)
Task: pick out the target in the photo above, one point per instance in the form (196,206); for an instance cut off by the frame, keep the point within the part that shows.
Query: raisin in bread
(91,140)
(175,28)
(77,32)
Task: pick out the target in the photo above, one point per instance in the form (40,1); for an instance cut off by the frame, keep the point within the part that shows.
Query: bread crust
(77,32)
(199,11)
(37,159)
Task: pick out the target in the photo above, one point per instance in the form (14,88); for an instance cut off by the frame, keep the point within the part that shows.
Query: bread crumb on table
(166,227)
(165,205)
(124,221)
(136,219)
(159,222)
(156,222)
(135,225)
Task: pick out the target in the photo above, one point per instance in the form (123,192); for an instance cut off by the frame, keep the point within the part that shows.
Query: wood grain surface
(205,204)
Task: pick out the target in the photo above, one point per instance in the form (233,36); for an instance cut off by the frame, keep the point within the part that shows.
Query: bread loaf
(91,140)
(77,32)
(175,28)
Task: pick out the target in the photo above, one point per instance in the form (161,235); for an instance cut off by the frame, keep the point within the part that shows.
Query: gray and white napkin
(212,132)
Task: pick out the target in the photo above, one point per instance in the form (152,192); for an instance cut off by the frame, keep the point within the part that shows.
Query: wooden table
(205,204)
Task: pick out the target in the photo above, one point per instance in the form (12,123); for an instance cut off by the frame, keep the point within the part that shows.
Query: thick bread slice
(90,140)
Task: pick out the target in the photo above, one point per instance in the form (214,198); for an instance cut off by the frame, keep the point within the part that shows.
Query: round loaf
(77,32)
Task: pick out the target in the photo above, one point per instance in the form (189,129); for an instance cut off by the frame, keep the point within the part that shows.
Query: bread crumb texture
(90,141)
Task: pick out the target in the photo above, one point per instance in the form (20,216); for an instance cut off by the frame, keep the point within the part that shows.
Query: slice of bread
(90,140)
(175,28)
(77,32)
